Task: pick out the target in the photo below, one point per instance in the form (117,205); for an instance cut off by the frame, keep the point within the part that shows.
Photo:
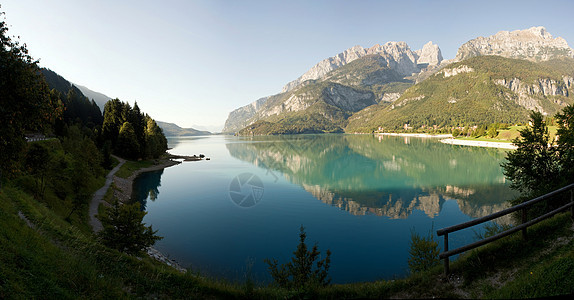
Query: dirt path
(98,197)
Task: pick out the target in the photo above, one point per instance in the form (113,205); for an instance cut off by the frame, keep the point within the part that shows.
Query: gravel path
(99,197)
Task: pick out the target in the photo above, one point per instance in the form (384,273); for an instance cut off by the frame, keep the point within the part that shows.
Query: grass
(506,268)
(508,135)
(131,166)
(55,260)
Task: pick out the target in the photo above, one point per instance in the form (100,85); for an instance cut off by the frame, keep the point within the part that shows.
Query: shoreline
(448,139)
(124,186)
(123,192)
(500,145)
(421,135)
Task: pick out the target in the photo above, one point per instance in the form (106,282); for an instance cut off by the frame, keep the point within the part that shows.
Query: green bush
(423,252)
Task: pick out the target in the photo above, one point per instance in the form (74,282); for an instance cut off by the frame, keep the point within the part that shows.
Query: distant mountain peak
(539,31)
(398,54)
(534,44)
(430,54)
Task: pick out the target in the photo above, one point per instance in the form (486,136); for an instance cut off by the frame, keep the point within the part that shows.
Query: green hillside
(330,101)
(171,129)
(469,98)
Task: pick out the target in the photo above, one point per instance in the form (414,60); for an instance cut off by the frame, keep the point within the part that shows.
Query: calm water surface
(358,195)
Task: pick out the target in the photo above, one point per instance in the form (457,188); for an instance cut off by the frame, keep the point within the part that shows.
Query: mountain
(478,90)
(77,106)
(324,105)
(99,98)
(170,129)
(239,118)
(535,44)
(398,54)
(323,98)
(430,54)
(210,128)
(362,89)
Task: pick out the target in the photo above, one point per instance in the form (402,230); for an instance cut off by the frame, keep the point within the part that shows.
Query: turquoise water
(358,195)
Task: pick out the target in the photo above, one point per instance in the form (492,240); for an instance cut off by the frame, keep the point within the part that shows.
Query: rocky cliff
(326,97)
(337,95)
(532,95)
(535,44)
(336,87)
(430,54)
(398,56)
(237,119)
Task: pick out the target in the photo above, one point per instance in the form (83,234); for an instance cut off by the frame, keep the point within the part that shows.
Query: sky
(193,62)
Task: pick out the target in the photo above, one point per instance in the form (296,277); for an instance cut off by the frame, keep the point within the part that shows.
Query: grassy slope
(508,135)
(54,260)
(474,98)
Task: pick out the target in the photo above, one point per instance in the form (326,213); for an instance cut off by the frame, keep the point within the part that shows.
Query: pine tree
(127,144)
(299,272)
(124,229)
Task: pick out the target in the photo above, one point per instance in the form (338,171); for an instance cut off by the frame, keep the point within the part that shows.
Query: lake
(360,196)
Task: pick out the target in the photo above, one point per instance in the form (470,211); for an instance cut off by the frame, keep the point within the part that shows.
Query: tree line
(131,133)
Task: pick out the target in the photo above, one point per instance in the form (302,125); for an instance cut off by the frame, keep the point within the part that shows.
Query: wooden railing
(446,254)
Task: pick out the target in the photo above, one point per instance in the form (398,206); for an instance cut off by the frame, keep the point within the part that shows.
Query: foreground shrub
(423,252)
(299,272)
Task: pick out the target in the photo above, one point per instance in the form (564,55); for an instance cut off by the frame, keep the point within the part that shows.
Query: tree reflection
(146,186)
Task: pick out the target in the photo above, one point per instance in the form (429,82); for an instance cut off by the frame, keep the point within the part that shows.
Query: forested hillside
(78,108)
(479,90)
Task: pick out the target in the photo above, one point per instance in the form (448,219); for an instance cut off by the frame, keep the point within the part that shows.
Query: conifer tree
(124,229)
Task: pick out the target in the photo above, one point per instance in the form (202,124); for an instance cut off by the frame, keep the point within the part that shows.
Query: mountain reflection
(385,176)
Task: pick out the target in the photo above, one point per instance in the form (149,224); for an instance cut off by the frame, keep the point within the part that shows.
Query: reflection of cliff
(398,207)
(392,207)
(390,177)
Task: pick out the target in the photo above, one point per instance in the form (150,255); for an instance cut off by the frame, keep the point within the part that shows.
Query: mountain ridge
(98,97)
(410,68)
(171,129)
(394,60)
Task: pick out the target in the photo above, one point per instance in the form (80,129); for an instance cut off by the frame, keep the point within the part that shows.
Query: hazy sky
(192,62)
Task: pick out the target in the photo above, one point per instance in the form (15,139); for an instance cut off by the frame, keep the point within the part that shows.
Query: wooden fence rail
(446,254)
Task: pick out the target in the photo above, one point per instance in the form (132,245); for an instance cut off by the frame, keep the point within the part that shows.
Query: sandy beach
(501,145)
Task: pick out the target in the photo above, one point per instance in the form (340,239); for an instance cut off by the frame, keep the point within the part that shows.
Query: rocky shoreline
(124,186)
(157,255)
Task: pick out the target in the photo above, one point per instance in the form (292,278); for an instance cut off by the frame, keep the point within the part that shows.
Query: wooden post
(572,207)
(446,259)
(524,220)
